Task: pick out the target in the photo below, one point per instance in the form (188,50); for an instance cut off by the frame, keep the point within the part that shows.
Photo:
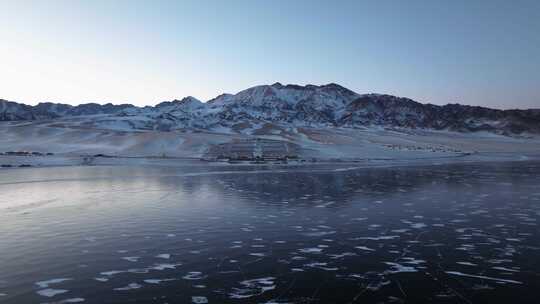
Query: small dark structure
(257,149)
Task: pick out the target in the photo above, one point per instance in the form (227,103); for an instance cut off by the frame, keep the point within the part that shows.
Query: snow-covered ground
(70,140)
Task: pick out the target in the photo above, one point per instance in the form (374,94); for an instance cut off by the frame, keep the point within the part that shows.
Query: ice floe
(379,238)
(194,275)
(321,265)
(158,281)
(199,300)
(311,250)
(49,292)
(72,300)
(165,266)
(364,248)
(130,286)
(397,268)
(45,284)
(254,287)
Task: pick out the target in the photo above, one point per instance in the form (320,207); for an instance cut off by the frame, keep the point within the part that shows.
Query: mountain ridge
(329,105)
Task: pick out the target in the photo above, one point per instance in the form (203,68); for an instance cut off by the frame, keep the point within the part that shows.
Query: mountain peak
(190,99)
(333,85)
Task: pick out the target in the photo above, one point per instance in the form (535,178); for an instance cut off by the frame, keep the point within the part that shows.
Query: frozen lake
(450,234)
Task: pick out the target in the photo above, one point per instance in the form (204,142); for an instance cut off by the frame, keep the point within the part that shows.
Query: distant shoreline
(21,162)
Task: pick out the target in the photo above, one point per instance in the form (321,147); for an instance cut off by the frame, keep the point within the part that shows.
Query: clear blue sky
(472,52)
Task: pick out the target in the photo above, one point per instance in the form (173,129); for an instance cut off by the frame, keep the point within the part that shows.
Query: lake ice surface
(461,233)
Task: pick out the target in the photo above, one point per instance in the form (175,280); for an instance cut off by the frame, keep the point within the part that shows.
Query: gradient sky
(143,52)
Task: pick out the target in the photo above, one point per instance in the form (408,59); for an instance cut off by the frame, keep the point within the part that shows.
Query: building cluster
(257,149)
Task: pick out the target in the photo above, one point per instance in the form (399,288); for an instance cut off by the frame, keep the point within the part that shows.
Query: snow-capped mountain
(289,104)
(328,105)
(48,110)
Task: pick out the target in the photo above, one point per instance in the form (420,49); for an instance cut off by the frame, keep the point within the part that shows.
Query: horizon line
(101,103)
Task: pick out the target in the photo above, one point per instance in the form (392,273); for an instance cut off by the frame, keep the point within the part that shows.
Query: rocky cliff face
(291,105)
(389,110)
